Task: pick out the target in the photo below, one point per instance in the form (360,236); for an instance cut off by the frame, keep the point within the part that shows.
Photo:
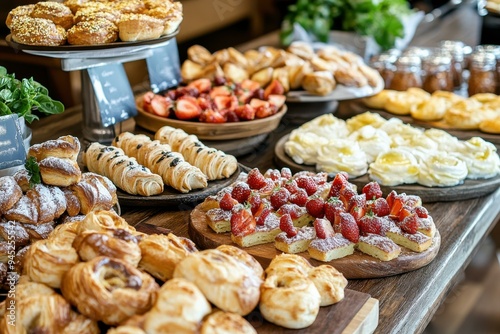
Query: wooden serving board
(467,190)
(356,313)
(357,265)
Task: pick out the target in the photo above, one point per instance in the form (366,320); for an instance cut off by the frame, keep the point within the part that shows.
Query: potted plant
(380,19)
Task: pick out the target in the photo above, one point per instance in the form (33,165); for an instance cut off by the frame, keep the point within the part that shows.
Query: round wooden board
(171,197)
(467,190)
(210,131)
(357,265)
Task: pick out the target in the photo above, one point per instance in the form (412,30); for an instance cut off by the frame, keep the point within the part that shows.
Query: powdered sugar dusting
(384,243)
(328,244)
(304,233)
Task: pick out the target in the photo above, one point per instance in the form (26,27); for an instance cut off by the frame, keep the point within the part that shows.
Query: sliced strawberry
(357,206)
(397,205)
(316,207)
(245,96)
(256,103)
(410,224)
(299,197)
(308,184)
(245,112)
(277,100)
(204,102)
(345,196)
(291,209)
(241,191)
(339,182)
(225,103)
(158,105)
(286,173)
(421,212)
(251,85)
(378,206)
(242,223)
(292,186)
(390,198)
(268,188)
(231,116)
(262,217)
(263,111)
(274,88)
(333,207)
(323,228)
(212,116)
(220,91)
(370,224)
(279,197)
(286,225)
(255,179)
(227,202)
(372,190)
(404,212)
(203,85)
(187,108)
(256,204)
(348,227)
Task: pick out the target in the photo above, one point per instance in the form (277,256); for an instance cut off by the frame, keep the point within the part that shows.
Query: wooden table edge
(366,320)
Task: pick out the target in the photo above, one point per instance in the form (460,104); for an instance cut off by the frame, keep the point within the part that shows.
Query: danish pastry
(160,159)
(57,12)
(108,290)
(214,163)
(124,171)
(60,172)
(103,220)
(226,322)
(92,194)
(10,193)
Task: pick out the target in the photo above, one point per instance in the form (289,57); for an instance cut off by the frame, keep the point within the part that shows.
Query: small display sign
(113,93)
(12,150)
(164,67)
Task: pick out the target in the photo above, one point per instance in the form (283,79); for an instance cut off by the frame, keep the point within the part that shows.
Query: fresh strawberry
(188,91)
(245,112)
(241,191)
(286,173)
(204,102)
(316,207)
(370,224)
(339,182)
(273,174)
(157,104)
(245,96)
(345,196)
(231,116)
(323,228)
(255,202)
(263,215)
(333,207)
(404,212)
(292,186)
(378,206)
(263,111)
(242,223)
(274,88)
(224,103)
(279,197)
(220,91)
(256,103)
(277,100)
(255,179)
(212,116)
(397,205)
(203,85)
(286,225)
(187,108)
(413,201)
(291,209)
(410,224)
(390,198)
(249,85)
(227,202)
(357,206)
(348,227)
(372,190)
(299,197)
(308,184)
(421,212)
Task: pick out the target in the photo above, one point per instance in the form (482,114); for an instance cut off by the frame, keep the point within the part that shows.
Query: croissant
(160,159)
(14,231)
(50,202)
(109,290)
(215,164)
(124,171)
(161,253)
(92,194)
(10,193)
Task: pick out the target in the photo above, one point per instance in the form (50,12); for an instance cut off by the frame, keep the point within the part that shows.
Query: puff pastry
(160,159)
(329,282)
(63,147)
(10,193)
(124,171)
(491,125)
(92,194)
(108,290)
(215,164)
(226,322)
(103,220)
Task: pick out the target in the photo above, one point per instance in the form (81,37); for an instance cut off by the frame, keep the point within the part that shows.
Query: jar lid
(438,60)
(483,59)
(489,48)
(409,60)
(456,48)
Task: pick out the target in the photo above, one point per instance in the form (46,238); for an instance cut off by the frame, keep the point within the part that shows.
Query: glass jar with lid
(437,73)
(384,64)
(482,77)
(456,50)
(407,74)
(495,50)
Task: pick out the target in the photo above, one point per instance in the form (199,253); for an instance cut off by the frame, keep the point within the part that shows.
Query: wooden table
(407,301)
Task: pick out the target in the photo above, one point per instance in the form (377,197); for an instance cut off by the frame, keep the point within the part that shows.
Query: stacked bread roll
(51,23)
(29,212)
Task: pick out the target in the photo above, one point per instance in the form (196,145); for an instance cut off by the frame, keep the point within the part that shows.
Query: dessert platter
(429,163)
(361,233)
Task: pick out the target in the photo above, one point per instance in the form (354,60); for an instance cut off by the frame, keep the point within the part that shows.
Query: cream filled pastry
(442,170)
(393,167)
(302,146)
(327,126)
(372,141)
(396,127)
(342,155)
(445,141)
(481,158)
(367,118)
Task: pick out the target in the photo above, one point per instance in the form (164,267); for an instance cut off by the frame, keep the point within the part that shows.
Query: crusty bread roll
(60,172)
(10,193)
(57,12)
(137,27)
(37,31)
(90,13)
(93,32)
(23,10)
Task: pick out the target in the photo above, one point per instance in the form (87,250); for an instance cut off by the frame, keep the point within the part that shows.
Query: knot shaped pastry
(225,281)
(179,308)
(109,290)
(117,244)
(161,254)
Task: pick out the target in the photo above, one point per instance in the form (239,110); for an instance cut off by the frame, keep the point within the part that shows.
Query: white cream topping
(445,141)
(393,167)
(372,141)
(302,147)
(480,156)
(442,170)
(342,155)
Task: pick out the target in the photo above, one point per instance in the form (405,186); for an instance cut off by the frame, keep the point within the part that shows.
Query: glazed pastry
(103,220)
(93,32)
(60,172)
(108,290)
(124,171)
(160,159)
(137,27)
(57,12)
(179,308)
(92,194)
(225,322)
(10,193)
(224,280)
(215,164)
(63,147)
(161,254)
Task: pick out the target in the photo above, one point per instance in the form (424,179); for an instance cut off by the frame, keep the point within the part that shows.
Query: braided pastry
(124,171)
(215,164)
(108,290)
(160,159)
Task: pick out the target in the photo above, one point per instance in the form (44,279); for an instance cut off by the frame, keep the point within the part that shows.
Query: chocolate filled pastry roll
(48,260)
(160,159)
(214,163)
(109,290)
(161,254)
(63,147)
(124,171)
(60,172)
(179,308)
(36,31)
(117,244)
(10,193)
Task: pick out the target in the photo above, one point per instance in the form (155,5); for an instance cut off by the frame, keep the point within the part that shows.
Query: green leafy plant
(380,19)
(21,97)
(33,171)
